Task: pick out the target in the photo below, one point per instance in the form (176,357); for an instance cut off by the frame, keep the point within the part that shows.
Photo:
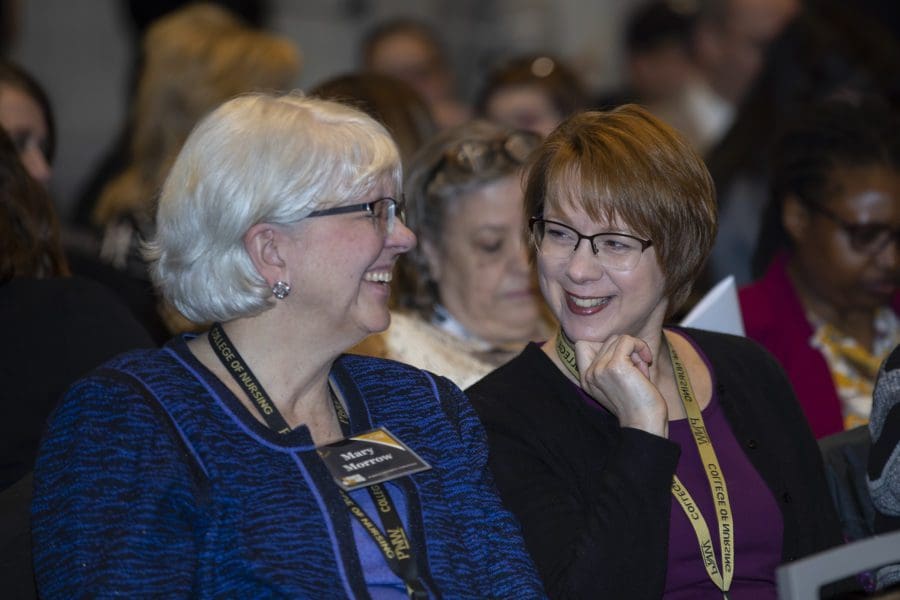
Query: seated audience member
(202,469)
(644,461)
(534,93)
(729,40)
(470,291)
(659,68)
(194,59)
(827,304)
(390,101)
(884,457)
(411,51)
(25,113)
(56,329)
(827,50)
(135,18)
(26,116)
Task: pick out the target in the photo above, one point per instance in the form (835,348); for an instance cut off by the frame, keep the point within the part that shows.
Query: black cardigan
(594,498)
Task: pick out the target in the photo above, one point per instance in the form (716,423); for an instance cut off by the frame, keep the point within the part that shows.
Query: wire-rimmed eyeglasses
(384,212)
(616,251)
(865,238)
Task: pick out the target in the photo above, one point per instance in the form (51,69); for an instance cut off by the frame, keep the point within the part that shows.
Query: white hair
(258,158)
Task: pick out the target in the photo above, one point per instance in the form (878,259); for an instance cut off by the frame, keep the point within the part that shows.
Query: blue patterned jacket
(153,480)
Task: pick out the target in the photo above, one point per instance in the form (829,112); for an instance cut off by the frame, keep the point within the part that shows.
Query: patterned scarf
(853,367)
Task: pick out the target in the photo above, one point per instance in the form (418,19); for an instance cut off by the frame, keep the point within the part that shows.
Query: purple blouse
(758,528)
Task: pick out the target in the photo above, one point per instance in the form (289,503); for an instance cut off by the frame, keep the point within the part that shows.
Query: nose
(401,239)
(34,162)
(584,265)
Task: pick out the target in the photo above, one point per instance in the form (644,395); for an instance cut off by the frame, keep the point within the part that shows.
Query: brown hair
(195,59)
(29,229)
(627,164)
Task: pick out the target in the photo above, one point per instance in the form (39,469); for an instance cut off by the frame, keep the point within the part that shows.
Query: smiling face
(24,121)
(480,264)
(341,268)
(838,277)
(592,302)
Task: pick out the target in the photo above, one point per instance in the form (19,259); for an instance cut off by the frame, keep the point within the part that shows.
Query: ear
(262,242)
(794,218)
(432,258)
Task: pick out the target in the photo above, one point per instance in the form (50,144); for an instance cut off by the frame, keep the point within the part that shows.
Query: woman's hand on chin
(616,373)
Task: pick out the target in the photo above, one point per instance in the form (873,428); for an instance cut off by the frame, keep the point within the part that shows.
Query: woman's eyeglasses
(384,212)
(868,239)
(616,251)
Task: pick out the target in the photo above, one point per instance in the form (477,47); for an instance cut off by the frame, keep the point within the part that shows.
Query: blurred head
(388,100)
(464,198)
(268,160)
(412,52)
(194,59)
(731,38)
(836,189)
(657,42)
(624,172)
(25,114)
(29,229)
(533,93)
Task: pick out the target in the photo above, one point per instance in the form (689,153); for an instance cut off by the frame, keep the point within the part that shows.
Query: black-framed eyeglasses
(868,239)
(384,212)
(470,157)
(616,251)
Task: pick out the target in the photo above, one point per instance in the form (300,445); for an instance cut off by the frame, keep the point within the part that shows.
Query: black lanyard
(395,544)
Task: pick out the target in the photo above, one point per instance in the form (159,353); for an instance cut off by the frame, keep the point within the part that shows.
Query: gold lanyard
(565,350)
(721,577)
(723,573)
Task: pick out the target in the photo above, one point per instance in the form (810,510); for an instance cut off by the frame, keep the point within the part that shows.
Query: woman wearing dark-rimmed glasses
(468,298)
(257,460)
(643,461)
(827,304)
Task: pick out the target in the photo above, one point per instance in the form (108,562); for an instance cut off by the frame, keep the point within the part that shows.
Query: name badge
(368,458)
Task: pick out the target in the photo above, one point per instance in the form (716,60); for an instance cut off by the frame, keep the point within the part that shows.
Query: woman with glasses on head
(469,293)
(643,460)
(827,303)
(256,459)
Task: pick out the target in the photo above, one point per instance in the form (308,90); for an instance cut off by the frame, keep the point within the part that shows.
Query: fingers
(620,351)
(641,364)
(586,353)
(616,373)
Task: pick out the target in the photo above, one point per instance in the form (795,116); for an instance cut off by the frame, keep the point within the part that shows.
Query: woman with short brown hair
(644,460)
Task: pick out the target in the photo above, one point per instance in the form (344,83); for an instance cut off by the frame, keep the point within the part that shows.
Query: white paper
(719,310)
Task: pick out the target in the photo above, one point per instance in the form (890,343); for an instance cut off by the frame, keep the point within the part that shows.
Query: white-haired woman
(257,460)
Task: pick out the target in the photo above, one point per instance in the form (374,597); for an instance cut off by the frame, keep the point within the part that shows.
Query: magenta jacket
(774,317)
